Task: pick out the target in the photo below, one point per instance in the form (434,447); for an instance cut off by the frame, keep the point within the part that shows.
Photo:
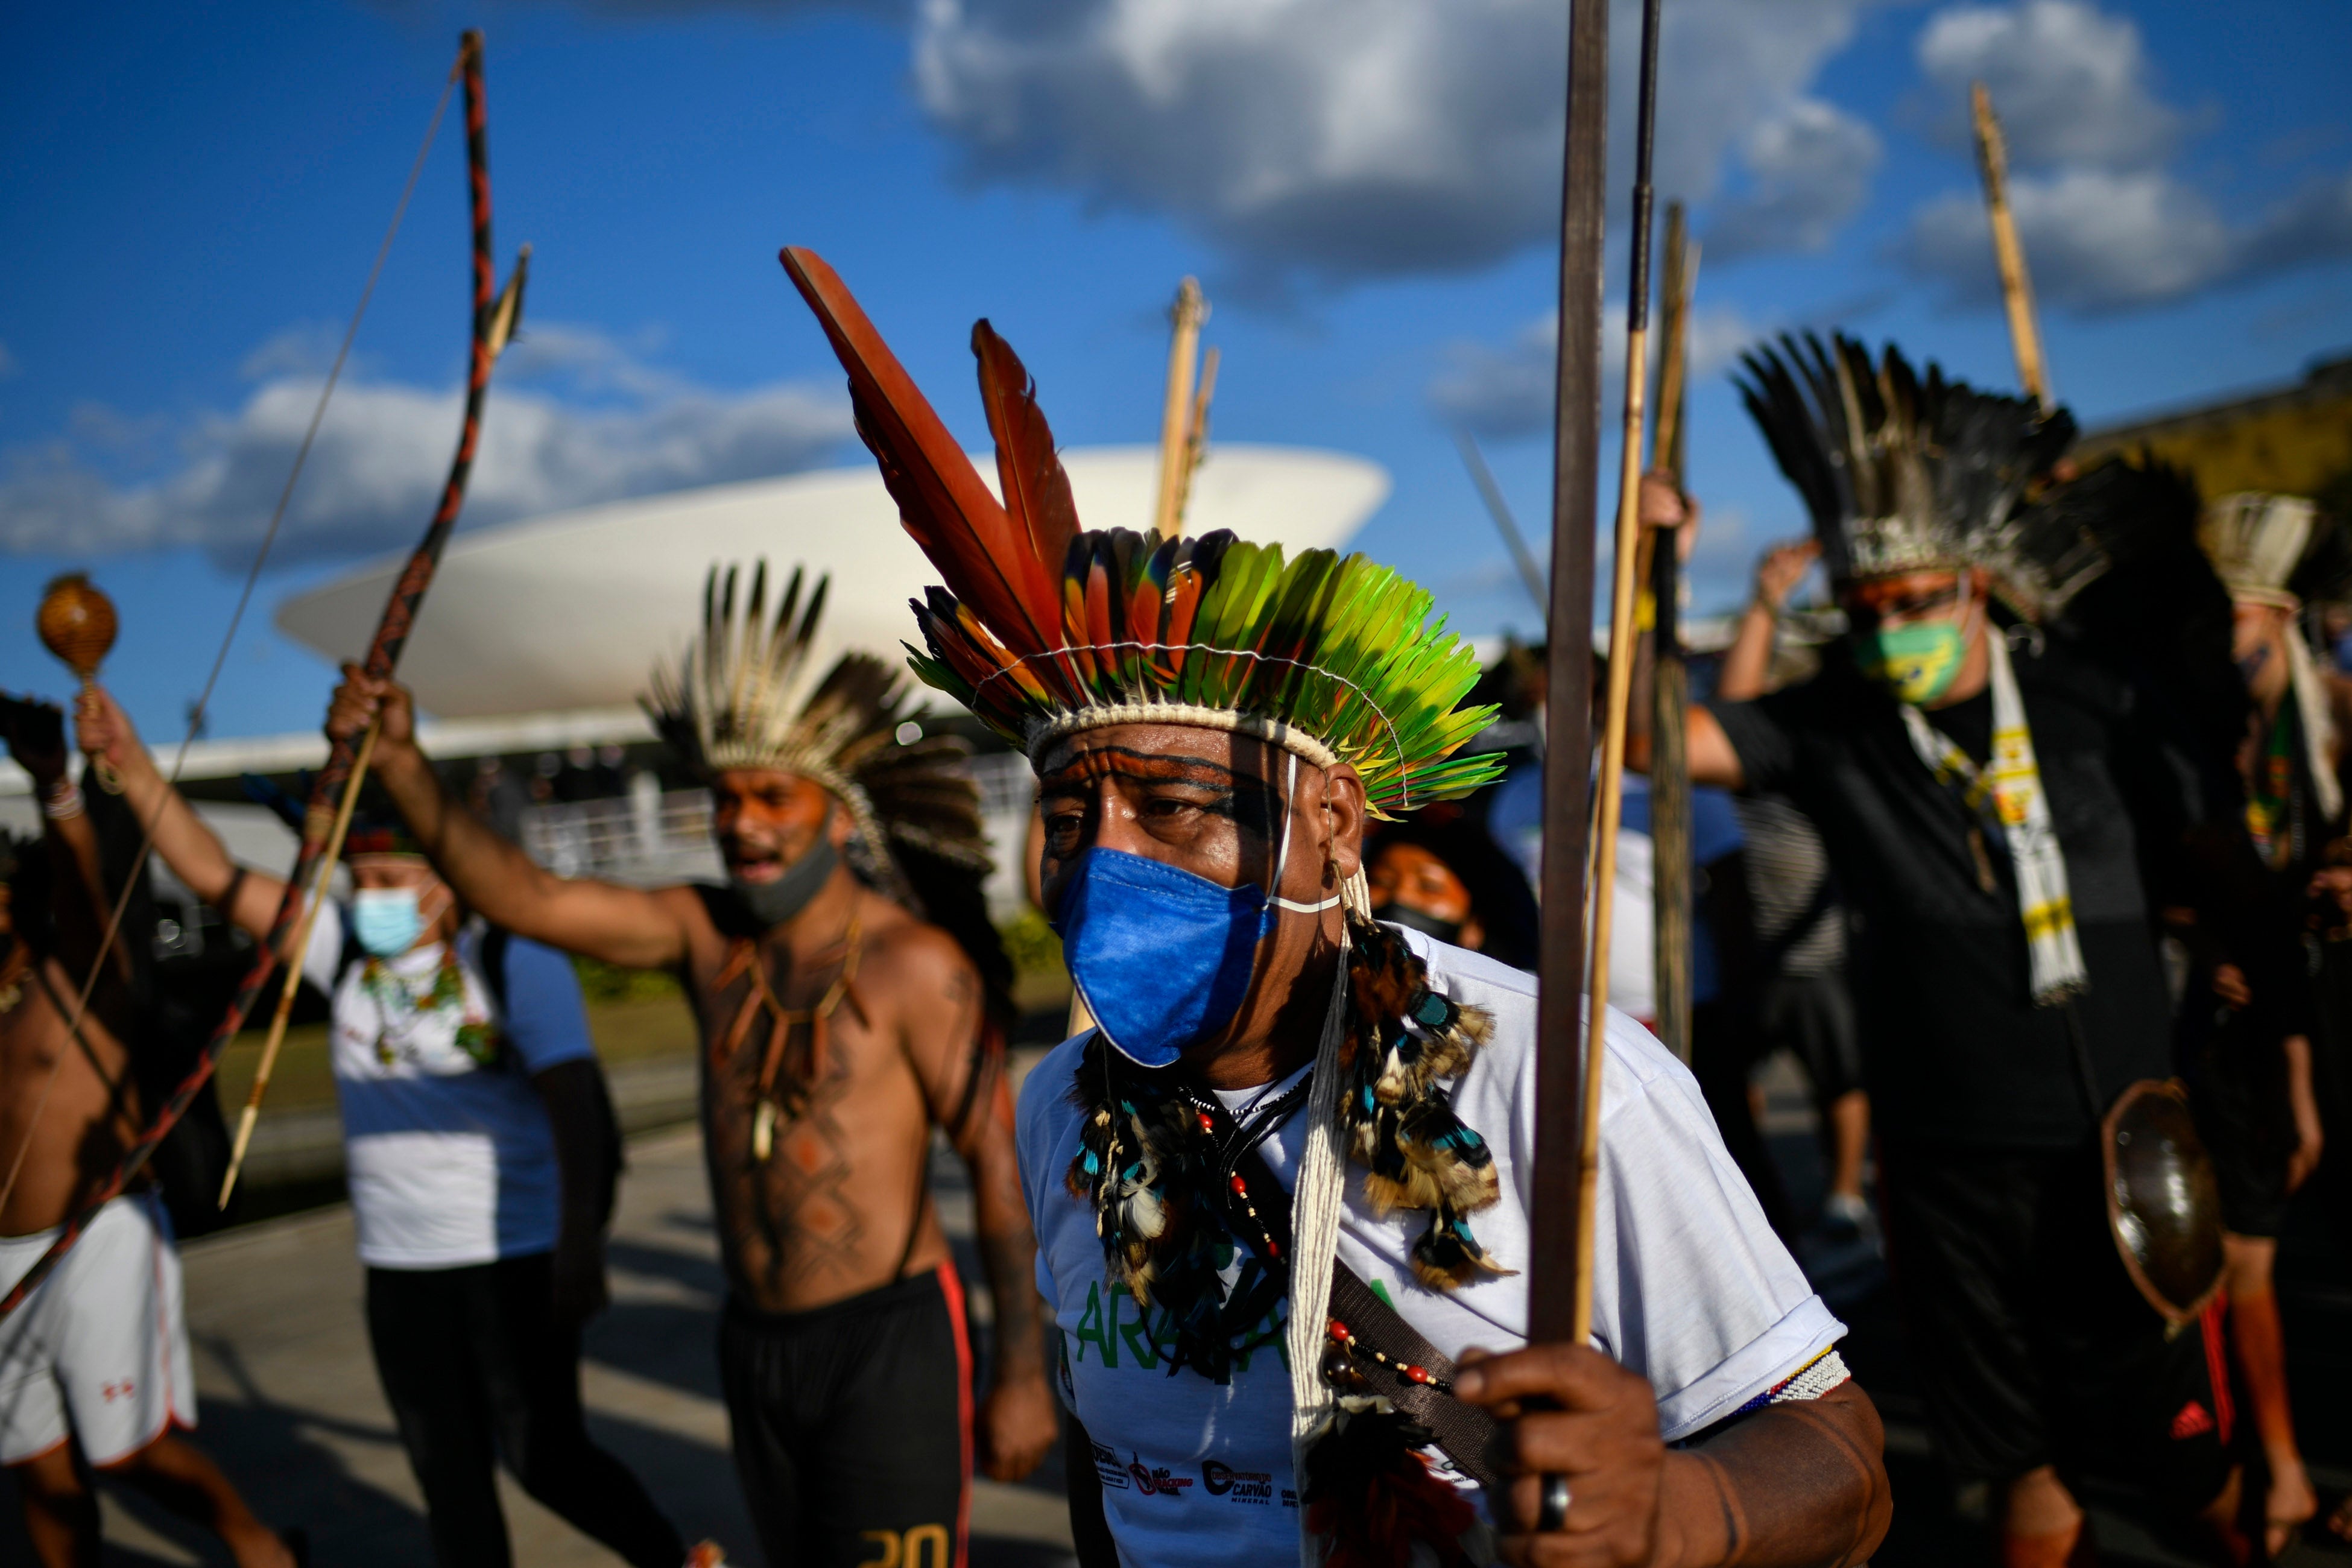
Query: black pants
(2030,1344)
(853,1426)
(475,1366)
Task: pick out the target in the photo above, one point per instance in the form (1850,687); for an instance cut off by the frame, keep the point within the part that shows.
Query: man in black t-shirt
(2005,964)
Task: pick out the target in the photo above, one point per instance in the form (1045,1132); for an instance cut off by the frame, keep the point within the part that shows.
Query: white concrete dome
(570,612)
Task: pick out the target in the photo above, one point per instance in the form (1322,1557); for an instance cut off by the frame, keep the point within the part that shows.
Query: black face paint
(2251,664)
(774,903)
(1405,915)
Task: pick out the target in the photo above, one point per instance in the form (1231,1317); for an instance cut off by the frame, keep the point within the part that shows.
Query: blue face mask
(386,920)
(1163,957)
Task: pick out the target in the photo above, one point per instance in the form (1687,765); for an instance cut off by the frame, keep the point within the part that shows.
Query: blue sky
(1366,187)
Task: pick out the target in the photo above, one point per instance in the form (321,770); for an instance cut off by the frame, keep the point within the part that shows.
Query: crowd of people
(2028,841)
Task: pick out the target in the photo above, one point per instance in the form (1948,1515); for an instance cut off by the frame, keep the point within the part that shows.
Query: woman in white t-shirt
(481,1151)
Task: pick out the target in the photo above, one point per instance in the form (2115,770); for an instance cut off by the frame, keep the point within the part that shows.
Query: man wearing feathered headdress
(2249,1063)
(1282,1187)
(852,997)
(1994,785)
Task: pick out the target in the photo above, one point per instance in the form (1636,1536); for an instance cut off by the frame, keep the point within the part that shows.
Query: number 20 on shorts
(925,1546)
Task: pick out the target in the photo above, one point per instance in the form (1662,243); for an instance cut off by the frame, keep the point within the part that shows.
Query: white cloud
(2105,223)
(2070,84)
(574,419)
(2094,239)
(1506,390)
(1348,139)
(1809,168)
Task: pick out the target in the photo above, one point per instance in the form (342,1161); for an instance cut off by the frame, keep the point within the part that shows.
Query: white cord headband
(1093,717)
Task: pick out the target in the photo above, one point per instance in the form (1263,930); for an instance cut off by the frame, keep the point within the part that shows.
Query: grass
(633,1015)
(633,1028)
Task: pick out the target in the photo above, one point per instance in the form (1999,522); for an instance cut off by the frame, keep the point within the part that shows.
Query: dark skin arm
(580,1112)
(625,926)
(1788,1487)
(961,1065)
(36,733)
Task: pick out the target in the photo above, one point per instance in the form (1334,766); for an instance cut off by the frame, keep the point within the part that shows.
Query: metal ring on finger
(1551,1515)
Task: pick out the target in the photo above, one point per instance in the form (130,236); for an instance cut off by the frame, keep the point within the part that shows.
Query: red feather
(1184,603)
(967,534)
(1029,471)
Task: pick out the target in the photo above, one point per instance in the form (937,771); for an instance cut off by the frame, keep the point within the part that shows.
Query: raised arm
(36,736)
(959,1056)
(192,851)
(1748,661)
(627,926)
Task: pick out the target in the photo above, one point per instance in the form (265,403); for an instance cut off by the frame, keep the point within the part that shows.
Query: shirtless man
(839,1030)
(94,1368)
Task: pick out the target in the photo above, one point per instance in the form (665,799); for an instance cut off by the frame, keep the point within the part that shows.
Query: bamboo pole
(1670,797)
(269,1048)
(1196,438)
(1177,406)
(1621,679)
(2016,284)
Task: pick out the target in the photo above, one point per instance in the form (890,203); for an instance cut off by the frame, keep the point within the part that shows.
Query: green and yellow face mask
(1916,663)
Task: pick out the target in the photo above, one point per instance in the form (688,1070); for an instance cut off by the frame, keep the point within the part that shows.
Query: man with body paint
(841,1027)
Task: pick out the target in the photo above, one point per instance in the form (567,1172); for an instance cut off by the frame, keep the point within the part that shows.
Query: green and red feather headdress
(1043,630)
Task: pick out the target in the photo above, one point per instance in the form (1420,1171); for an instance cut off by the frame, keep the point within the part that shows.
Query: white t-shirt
(1691,1288)
(449,1163)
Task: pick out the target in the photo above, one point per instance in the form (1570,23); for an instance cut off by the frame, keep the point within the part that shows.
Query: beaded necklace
(478,1038)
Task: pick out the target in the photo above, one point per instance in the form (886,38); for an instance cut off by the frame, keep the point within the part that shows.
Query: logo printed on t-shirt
(1105,1328)
(2193,1421)
(1108,1466)
(1160,1481)
(1245,1486)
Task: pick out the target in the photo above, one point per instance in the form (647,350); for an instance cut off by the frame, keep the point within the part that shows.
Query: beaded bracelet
(63,804)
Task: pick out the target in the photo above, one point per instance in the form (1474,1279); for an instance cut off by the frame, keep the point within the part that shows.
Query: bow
(494,317)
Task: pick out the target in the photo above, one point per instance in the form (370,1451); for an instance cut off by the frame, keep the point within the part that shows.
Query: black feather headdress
(1905,473)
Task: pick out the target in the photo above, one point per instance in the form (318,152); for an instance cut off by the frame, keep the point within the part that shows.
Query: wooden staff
(1621,679)
(1196,438)
(1670,799)
(1562,1237)
(493,321)
(300,949)
(2016,286)
(1177,409)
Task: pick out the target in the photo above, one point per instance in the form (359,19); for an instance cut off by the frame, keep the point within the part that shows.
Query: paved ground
(290,1406)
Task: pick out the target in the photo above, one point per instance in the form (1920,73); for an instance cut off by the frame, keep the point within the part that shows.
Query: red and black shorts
(852,1424)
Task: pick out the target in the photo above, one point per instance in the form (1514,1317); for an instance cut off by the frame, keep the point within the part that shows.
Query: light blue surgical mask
(1162,956)
(386,920)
